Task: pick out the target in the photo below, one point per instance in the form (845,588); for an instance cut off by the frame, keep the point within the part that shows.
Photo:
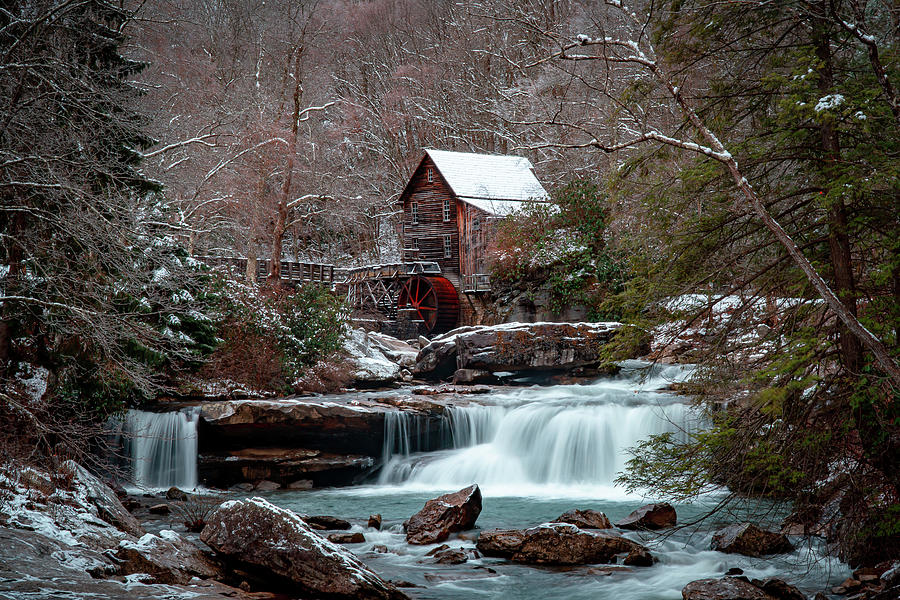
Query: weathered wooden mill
(449,209)
(449,206)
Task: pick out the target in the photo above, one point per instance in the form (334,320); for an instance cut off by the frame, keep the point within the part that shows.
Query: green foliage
(294,328)
(560,247)
(93,395)
(313,327)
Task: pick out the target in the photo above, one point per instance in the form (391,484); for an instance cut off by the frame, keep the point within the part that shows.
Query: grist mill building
(451,204)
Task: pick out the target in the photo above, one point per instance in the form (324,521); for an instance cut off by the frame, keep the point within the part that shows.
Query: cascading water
(162,447)
(552,437)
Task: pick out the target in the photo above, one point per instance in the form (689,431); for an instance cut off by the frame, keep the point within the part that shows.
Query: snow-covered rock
(369,364)
(73,507)
(166,558)
(395,350)
(263,536)
(512,347)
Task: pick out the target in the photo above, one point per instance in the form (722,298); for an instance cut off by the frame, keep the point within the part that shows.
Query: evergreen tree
(798,96)
(91,287)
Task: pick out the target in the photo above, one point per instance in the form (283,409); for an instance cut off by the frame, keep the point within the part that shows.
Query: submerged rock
(558,544)
(261,535)
(749,540)
(650,516)
(266,486)
(173,493)
(159,509)
(443,515)
(585,519)
(323,522)
(476,573)
(445,555)
(346,538)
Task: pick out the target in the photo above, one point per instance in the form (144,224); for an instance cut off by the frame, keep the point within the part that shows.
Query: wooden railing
(478,282)
(290,271)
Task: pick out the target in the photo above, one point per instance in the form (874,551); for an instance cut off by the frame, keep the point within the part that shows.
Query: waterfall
(162,447)
(559,436)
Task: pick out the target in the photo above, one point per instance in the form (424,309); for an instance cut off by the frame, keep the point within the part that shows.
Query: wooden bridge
(413,290)
(299,272)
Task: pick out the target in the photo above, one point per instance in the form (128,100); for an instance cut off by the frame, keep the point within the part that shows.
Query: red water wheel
(433,301)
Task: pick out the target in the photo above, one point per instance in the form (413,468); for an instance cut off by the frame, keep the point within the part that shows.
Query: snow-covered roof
(493,183)
(500,208)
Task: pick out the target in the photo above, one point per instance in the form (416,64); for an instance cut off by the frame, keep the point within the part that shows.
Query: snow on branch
(195,140)
(304,114)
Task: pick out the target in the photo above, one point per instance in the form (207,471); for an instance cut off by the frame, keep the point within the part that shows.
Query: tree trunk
(16,258)
(252,265)
(838,237)
(281,212)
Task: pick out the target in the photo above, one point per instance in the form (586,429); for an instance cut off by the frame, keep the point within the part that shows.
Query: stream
(537,452)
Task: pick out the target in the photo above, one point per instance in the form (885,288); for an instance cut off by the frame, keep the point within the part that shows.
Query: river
(537,452)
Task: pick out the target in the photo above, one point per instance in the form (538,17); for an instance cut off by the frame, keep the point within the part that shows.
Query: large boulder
(650,516)
(515,347)
(739,588)
(395,350)
(167,558)
(726,588)
(437,358)
(749,540)
(557,544)
(443,515)
(91,491)
(585,519)
(260,535)
(369,365)
(502,543)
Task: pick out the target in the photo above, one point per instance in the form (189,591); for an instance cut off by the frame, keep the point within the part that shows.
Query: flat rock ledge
(560,544)
(513,347)
(260,535)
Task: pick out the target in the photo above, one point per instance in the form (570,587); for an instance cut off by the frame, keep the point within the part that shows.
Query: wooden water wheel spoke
(434,301)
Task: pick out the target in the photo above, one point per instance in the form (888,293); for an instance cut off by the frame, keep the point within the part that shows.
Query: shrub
(272,337)
(560,247)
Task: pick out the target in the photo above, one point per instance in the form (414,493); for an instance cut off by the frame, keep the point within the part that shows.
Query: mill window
(414,209)
(430,174)
(448,246)
(446,210)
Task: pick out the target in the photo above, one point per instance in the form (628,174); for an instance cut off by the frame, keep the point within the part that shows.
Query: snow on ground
(33,500)
(34,383)
(703,315)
